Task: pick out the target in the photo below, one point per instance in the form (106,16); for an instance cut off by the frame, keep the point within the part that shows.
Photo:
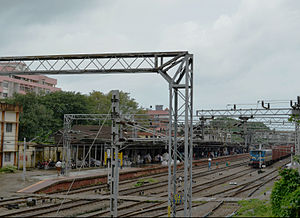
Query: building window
(5,84)
(4,95)
(9,127)
(7,157)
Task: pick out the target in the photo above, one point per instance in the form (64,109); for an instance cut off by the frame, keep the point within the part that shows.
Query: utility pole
(296,114)
(115,143)
(244,120)
(292,150)
(24,157)
(260,151)
(24,161)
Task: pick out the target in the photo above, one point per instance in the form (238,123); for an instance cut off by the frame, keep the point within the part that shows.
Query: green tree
(102,103)
(285,197)
(236,127)
(37,120)
(62,103)
(44,114)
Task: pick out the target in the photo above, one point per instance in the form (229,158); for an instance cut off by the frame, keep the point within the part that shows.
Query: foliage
(294,118)
(101,103)
(236,127)
(296,158)
(254,208)
(66,103)
(44,114)
(285,197)
(141,182)
(8,169)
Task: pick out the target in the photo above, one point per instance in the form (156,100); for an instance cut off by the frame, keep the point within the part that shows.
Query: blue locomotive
(266,157)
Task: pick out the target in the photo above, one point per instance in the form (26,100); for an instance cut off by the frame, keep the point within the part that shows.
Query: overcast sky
(244,50)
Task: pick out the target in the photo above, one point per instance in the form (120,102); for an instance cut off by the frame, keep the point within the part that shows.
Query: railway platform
(140,198)
(52,184)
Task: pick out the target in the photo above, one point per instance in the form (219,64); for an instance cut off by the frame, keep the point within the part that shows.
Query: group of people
(46,164)
(60,167)
(217,164)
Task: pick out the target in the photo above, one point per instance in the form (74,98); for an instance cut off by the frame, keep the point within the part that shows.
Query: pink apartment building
(24,83)
(160,118)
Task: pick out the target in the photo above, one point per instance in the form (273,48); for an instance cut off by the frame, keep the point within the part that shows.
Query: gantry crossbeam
(147,62)
(274,118)
(278,112)
(175,67)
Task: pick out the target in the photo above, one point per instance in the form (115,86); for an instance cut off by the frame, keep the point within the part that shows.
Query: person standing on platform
(209,163)
(63,167)
(58,167)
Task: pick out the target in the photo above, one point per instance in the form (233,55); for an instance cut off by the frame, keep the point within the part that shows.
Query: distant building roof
(10,107)
(86,134)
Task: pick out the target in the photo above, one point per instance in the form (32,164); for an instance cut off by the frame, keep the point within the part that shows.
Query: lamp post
(24,158)
(24,161)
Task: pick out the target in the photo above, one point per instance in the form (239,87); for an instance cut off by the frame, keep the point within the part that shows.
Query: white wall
(10,116)
(9,139)
(11,162)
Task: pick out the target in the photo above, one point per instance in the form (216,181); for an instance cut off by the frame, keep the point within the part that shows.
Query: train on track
(269,156)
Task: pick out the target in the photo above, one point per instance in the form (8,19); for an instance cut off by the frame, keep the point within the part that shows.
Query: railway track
(136,209)
(17,202)
(199,165)
(50,208)
(40,210)
(231,206)
(145,187)
(252,186)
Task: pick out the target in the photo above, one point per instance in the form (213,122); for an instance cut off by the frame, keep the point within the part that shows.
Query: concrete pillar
(34,157)
(43,154)
(101,154)
(83,155)
(90,156)
(76,159)
(95,152)
(18,157)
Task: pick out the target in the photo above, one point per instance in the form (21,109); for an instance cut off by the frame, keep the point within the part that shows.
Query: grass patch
(254,208)
(269,188)
(8,169)
(199,202)
(150,201)
(141,182)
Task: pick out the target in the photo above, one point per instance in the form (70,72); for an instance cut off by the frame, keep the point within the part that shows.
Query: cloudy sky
(244,50)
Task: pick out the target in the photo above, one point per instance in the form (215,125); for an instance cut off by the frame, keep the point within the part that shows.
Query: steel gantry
(175,67)
(276,118)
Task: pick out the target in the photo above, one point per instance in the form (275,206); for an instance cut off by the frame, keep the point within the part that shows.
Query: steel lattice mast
(175,67)
(272,117)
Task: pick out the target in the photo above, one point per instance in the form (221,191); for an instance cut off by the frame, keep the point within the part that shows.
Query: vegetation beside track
(254,208)
(8,169)
(43,114)
(285,199)
(141,182)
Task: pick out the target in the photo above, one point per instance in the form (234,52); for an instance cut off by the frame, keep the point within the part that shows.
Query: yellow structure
(120,156)
(9,120)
